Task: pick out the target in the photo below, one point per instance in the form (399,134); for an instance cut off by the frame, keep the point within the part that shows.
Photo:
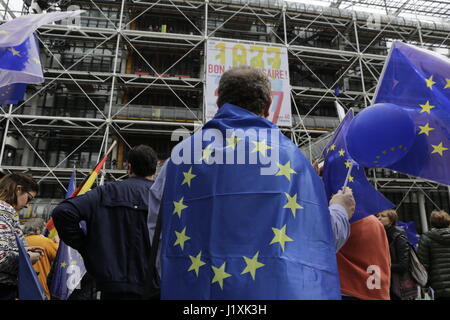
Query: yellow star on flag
(252,265)
(426,107)
(341,152)
(439,149)
(220,275)
(232,141)
(207,153)
(181,238)
(348,164)
(292,203)
(196,263)
(188,176)
(36,60)
(350,179)
(447,85)
(430,82)
(285,170)
(179,206)
(74,262)
(261,147)
(280,236)
(425,129)
(4,32)
(332,147)
(63,264)
(14,52)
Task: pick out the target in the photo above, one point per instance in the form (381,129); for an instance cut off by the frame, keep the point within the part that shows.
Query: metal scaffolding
(133,71)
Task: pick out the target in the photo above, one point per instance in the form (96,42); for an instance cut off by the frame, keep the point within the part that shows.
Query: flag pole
(348,175)
(102,179)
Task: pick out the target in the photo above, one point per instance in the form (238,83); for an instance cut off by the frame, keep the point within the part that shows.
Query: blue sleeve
(68,215)
(340,225)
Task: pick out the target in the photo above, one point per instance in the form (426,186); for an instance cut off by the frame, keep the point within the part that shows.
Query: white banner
(273,60)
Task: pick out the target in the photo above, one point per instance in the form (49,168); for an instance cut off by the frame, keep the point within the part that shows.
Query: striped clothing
(9,252)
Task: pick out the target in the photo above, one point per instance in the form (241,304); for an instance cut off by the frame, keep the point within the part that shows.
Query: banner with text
(273,60)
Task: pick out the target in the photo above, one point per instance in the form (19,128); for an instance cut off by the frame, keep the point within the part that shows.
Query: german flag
(85,186)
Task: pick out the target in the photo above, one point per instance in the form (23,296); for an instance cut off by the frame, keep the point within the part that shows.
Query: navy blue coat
(116,247)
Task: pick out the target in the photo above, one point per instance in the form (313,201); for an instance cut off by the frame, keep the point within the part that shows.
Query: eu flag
(16,31)
(231,230)
(13,93)
(21,64)
(337,163)
(418,81)
(410,230)
(29,286)
(68,267)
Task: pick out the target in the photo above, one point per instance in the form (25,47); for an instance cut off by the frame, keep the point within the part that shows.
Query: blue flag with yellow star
(418,81)
(68,267)
(411,233)
(21,64)
(29,286)
(337,163)
(245,216)
(13,93)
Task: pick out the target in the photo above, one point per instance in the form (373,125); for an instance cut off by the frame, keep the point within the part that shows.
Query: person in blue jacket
(116,246)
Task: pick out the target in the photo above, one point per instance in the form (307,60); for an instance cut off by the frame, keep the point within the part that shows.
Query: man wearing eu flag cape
(244,215)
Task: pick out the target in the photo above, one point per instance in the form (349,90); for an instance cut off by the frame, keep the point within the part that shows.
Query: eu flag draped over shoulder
(29,286)
(337,163)
(231,230)
(68,267)
(418,81)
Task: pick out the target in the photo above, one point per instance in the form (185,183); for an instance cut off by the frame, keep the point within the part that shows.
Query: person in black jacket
(434,253)
(116,247)
(399,248)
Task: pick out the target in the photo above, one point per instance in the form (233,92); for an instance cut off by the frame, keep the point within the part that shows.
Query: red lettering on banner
(216,68)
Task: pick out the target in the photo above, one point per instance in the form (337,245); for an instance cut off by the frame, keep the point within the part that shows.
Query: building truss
(124,60)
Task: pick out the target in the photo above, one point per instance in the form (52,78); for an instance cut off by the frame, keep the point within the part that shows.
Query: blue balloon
(380,135)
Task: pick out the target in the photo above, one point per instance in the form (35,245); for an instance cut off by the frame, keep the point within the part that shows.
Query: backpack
(418,271)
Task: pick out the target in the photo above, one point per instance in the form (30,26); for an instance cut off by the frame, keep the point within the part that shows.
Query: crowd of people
(128,248)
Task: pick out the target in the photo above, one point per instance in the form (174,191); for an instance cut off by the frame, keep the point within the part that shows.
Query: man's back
(230,232)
